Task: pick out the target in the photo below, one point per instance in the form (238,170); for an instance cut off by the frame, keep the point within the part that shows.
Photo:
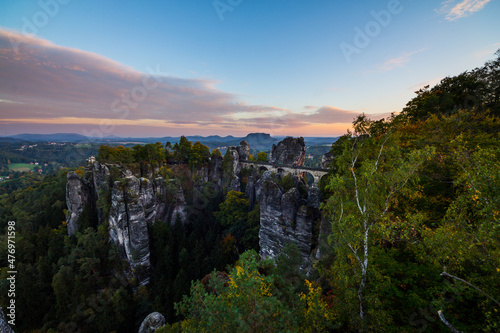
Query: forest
(412,204)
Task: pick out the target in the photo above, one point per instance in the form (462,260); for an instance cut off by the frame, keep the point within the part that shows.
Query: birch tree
(371,171)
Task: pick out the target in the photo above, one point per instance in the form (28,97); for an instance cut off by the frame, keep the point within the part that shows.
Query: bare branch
(356,185)
(345,239)
(352,249)
(471,285)
(380,153)
(443,319)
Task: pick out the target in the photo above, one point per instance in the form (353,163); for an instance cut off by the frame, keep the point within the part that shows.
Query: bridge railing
(284,166)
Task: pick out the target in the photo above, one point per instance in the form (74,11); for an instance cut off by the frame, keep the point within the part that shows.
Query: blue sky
(228,66)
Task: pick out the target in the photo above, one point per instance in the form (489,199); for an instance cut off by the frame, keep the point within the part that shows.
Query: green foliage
(199,155)
(216,153)
(233,210)
(227,165)
(182,150)
(262,157)
(371,172)
(393,235)
(241,224)
(247,300)
(150,153)
(120,154)
(285,182)
(472,90)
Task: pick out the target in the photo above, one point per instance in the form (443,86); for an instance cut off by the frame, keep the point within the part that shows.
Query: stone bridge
(299,171)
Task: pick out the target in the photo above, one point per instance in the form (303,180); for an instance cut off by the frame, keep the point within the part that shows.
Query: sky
(228,67)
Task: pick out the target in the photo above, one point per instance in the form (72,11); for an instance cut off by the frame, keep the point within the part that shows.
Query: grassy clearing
(21,167)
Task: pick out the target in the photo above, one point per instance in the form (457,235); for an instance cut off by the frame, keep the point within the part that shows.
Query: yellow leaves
(242,277)
(265,289)
(239,271)
(316,309)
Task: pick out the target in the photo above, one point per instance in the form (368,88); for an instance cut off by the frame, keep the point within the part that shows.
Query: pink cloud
(462,9)
(44,85)
(52,81)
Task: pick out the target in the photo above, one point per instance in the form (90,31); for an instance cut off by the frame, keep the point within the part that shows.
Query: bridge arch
(308,178)
(312,175)
(323,180)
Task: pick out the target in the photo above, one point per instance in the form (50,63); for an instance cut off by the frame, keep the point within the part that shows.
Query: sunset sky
(228,67)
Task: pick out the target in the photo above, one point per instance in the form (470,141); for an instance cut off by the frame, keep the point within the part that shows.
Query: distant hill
(210,138)
(319,141)
(9,139)
(257,141)
(56,137)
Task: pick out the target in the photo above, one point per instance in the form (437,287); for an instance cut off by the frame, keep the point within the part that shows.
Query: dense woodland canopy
(414,207)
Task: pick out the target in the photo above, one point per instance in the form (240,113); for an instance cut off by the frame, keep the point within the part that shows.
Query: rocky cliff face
(77,196)
(4,327)
(286,217)
(237,155)
(243,151)
(327,160)
(128,204)
(132,208)
(152,322)
(290,151)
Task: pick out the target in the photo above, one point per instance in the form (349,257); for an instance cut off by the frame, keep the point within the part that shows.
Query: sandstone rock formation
(243,150)
(77,196)
(290,151)
(132,208)
(4,327)
(128,205)
(129,202)
(152,322)
(286,217)
(326,160)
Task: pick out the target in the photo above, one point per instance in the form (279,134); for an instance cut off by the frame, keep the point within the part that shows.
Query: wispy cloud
(393,63)
(43,85)
(489,52)
(429,83)
(454,11)
(42,80)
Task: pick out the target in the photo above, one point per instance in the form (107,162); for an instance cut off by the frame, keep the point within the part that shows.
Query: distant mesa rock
(259,138)
(260,141)
(290,151)
(152,322)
